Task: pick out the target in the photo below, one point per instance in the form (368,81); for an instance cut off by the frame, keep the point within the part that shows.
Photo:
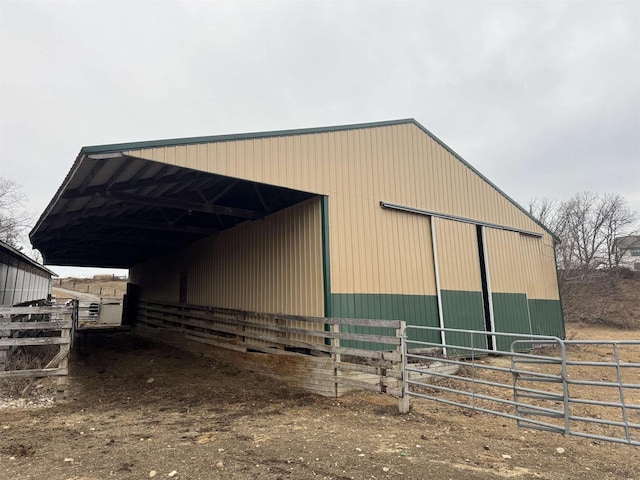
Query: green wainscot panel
(465,311)
(511,315)
(413,309)
(546,317)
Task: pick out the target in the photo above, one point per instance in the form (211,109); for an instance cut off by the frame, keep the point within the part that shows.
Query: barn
(22,279)
(368,221)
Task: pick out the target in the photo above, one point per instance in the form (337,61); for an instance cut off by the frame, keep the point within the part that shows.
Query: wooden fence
(35,327)
(314,353)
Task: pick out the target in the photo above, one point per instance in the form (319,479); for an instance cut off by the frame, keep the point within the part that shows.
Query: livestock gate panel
(586,388)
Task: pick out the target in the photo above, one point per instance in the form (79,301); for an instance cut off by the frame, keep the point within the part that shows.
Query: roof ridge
(169,142)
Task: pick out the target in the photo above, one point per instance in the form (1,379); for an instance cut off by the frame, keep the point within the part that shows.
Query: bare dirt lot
(136,408)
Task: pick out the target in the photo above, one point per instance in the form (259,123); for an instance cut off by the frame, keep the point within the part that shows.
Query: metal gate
(586,388)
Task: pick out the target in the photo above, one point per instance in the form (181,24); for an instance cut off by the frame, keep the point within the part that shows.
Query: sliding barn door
(508,272)
(459,282)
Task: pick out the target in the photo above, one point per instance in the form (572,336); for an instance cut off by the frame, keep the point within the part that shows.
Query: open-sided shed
(377,221)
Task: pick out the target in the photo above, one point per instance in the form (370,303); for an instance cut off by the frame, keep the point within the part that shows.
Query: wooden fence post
(335,343)
(4,351)
(404,405)
(61,382)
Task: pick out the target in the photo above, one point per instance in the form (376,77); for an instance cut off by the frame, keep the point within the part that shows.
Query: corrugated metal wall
(523,284)
(381,261)
(460,280)
(507,273)
(272,265)
(21,282)
(357,169)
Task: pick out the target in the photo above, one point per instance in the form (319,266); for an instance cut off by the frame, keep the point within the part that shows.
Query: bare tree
(587,225)
(588,255)
(14,217)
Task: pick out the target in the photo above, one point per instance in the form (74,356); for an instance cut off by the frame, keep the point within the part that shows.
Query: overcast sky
(542,97)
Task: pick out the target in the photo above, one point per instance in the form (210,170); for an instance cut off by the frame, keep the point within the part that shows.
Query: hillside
(101,285)
(603,300)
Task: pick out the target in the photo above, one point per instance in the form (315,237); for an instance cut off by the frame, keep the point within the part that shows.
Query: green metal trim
(326,263)
(555,259)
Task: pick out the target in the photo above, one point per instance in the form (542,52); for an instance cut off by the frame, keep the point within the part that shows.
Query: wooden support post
(62,382)
(4,351)
(403,405)
(335,342)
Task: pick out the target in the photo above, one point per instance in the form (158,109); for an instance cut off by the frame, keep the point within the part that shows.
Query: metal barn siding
(524,288)
(391,273)
(507,271)
(545,310)
(20,280)
(380,262)
(460,280)
(272,265)
(357,169)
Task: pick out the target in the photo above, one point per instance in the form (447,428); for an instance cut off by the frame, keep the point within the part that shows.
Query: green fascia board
(119,147)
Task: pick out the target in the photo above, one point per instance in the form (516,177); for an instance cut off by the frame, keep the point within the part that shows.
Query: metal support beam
(164,227)
(132,184)
(177,204)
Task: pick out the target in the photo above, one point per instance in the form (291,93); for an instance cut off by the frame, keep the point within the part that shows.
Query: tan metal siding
(539,268)
(505,261)
(379,251)
(521,264)
(273,265)
(371,251)
(458,257)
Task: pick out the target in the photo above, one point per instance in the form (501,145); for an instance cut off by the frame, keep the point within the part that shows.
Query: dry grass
(101,285)
(25,358)
(604,301)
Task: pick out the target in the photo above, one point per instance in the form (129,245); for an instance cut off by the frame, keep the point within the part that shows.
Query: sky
(542,97)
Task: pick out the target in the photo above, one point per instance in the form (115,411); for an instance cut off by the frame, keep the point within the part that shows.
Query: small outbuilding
(373,221)
(22,279)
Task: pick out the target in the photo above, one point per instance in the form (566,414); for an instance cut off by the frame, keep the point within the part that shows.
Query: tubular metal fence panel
(586,388)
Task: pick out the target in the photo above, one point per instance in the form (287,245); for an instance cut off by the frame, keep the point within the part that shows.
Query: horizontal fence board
(382,355)
(375,370)
(277,316)
(14,342)
(376,387)
(36,373)
(179,318)
(252,334)
(53,325)
(35,310)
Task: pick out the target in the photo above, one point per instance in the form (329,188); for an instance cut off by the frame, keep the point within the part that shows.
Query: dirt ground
(139,411)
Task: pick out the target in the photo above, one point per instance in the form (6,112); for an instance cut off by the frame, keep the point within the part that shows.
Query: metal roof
(14,252)
(116,210)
